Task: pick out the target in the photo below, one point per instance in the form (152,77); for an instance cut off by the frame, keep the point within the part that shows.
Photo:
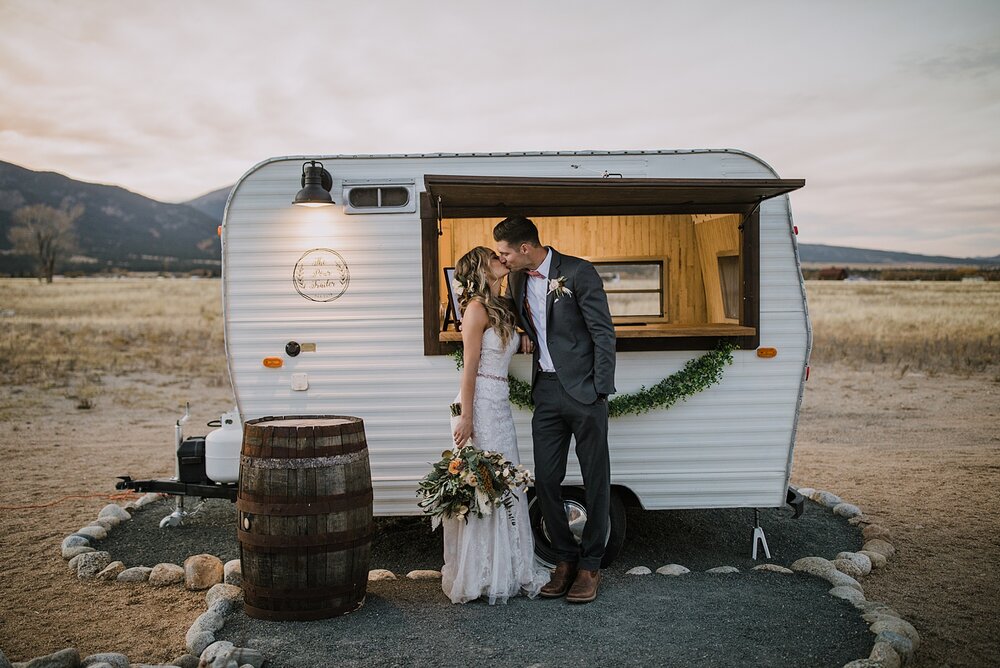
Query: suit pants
(557,417)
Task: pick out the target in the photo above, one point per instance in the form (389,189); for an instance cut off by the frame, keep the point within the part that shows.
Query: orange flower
(455,466)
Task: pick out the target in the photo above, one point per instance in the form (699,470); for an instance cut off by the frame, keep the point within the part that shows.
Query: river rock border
(199,572)
(896,640)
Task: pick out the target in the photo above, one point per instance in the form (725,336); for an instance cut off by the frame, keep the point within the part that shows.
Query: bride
(489,556)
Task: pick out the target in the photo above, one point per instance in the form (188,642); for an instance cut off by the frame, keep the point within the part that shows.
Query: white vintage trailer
(339,309)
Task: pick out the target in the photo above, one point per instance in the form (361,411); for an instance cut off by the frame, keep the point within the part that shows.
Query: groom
(561,304)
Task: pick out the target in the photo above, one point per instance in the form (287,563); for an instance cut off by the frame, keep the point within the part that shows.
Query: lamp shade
(316,186)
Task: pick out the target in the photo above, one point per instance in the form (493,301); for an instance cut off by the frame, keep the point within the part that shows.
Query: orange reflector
(273,362)
(219,230)
(795,229)
(767,352)
(807,373)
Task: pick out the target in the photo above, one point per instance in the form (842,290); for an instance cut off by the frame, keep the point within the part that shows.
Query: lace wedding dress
(488,556)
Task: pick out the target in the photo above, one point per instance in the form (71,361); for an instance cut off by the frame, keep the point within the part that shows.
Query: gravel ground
(699,619)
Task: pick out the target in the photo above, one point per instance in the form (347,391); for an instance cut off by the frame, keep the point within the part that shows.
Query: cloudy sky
(890,110)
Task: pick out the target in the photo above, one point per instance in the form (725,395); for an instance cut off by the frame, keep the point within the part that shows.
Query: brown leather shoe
(584,589)
(559,584)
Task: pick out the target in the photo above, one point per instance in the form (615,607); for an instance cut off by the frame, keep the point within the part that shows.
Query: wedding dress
(488,556)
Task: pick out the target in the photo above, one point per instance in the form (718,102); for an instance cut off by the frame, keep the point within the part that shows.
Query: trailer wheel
(576,510)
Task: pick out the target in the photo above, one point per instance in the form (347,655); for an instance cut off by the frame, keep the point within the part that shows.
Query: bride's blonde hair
(472,272)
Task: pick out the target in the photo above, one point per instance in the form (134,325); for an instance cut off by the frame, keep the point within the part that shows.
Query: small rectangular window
(393,196)
(635,288)
(363,197)
(369,197)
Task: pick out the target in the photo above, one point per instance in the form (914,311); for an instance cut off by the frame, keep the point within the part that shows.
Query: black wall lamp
(316,186)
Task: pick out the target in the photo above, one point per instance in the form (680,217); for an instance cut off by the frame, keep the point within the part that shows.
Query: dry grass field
(72,335)
(923,326)
(900,416)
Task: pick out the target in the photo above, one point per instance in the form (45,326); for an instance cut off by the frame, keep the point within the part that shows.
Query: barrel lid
(319,421)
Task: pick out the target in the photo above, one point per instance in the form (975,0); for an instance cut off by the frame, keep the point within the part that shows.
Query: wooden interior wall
(716,234)
(597,237)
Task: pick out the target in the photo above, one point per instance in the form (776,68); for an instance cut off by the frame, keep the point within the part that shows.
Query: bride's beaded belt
(492,377)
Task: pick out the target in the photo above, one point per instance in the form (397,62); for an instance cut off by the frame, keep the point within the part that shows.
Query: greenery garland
(697,375)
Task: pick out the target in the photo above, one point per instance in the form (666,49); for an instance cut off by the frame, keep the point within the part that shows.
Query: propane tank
(222,449)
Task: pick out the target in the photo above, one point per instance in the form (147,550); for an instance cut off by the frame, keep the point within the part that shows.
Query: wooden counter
(654,331)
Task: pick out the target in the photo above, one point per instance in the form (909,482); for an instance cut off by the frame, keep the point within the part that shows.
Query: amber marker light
(273,362)
(767,352)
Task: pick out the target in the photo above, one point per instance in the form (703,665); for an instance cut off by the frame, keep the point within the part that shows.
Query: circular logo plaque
(321,275)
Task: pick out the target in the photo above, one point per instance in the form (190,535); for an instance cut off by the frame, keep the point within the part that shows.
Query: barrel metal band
(258,450)
(271,504)
(303,462)
(336,540)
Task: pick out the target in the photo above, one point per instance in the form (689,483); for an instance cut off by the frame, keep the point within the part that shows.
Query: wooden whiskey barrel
(305,516)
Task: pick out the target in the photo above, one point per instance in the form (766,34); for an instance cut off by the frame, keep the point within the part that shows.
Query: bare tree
(45,232)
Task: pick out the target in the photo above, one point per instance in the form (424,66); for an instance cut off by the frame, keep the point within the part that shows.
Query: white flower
(483,501)
(558,286)
(458,287)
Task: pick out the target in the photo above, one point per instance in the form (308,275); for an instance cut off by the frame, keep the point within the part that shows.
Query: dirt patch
(55,450)
(918,453)
(921,456)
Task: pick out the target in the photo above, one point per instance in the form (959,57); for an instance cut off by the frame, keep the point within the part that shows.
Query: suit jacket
(579,333)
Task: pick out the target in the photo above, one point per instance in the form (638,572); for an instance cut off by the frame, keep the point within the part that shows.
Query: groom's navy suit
(572,401)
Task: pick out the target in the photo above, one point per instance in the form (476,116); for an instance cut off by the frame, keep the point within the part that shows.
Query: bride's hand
(526,345)
(463,430)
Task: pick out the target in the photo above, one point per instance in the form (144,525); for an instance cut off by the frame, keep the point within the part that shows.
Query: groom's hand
(526,345)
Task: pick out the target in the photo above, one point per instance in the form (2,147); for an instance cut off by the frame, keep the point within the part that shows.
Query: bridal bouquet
(468,481)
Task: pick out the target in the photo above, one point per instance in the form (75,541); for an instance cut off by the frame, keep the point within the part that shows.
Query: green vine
(697,375)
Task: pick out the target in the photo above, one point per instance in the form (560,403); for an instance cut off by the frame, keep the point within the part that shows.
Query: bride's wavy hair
(472,272)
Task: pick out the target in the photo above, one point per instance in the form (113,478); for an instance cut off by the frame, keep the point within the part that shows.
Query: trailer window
(635,288)
(383,198)
(378,197)
(673,281)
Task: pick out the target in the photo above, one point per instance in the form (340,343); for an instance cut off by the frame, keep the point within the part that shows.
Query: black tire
(574,497)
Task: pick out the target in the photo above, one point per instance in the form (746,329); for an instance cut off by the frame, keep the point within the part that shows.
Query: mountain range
(120,229)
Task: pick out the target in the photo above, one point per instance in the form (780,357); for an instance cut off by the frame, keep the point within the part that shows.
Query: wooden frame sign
(452,314)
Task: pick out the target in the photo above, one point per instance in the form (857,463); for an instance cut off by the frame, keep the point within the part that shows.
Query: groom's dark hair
(516,230)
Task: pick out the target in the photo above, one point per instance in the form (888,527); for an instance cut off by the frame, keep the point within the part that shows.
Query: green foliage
(697,375)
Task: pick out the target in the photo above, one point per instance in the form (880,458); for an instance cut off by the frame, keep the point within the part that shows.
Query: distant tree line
(903,274)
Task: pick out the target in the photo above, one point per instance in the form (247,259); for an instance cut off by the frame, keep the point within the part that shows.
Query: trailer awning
(485,196)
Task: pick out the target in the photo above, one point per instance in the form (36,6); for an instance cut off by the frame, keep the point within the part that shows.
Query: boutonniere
(558,286)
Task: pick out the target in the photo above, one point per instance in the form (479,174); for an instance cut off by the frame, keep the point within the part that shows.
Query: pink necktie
(527,305)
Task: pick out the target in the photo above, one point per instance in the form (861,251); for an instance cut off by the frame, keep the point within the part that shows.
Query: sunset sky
(889,110)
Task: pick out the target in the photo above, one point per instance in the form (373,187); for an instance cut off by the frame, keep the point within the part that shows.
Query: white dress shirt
(538,290)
